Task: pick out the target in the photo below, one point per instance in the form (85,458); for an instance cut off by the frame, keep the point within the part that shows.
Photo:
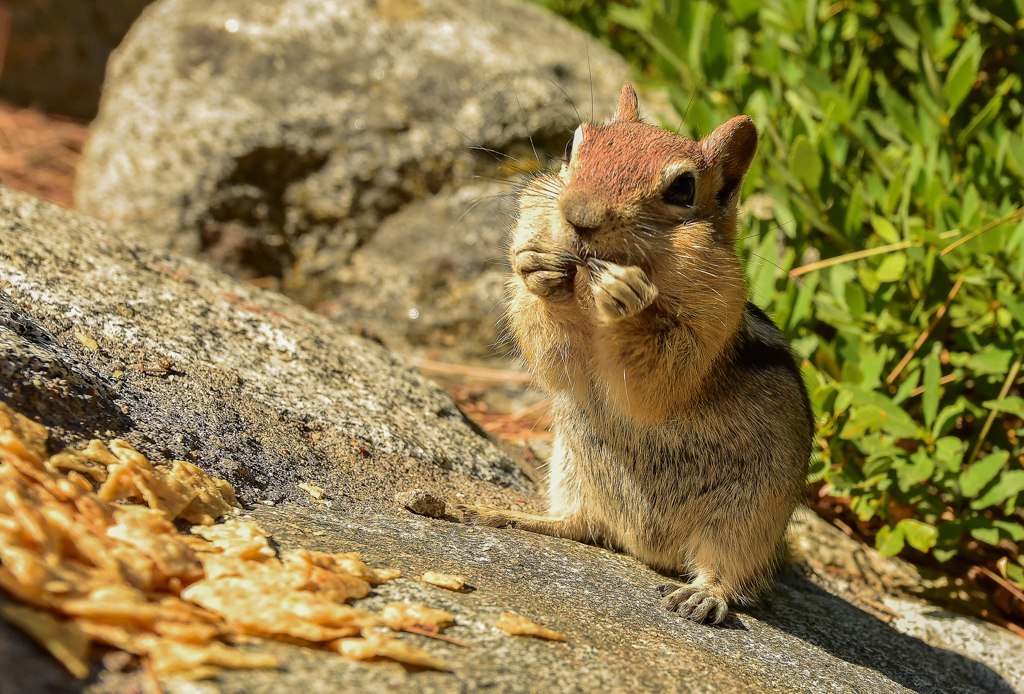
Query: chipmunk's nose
(584,211)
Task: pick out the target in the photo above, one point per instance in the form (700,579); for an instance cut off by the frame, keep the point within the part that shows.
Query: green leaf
(980,120)
(1015,144)
(990,361)
(989,535)
(974,478)
(835,107)
(863,419)
(1010,483)
(921,536)
(892,267)
(884,228)
(897,422)
(805,163)
(1015,574)
(744,8)
(889,541)
(921,469)
(948,450)
(902,114)
(946,416)
(1015,531)
(818,468)
(962,73)
(932,385)
(1012,405)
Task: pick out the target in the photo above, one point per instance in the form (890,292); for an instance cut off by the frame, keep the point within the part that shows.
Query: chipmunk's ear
(627,111)
(730,149)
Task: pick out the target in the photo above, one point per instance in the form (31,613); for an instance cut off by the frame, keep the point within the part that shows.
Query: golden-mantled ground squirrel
(682,424)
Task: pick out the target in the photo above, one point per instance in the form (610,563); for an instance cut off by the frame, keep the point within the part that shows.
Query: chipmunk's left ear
(627,110)
(729,150)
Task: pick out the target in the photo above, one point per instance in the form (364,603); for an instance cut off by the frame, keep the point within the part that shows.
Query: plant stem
(1012,216)
(924,336)
(992,413)
(857,255)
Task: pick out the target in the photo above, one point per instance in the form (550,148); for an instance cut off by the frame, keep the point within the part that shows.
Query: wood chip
(449,581)
(520,626)
(68,643)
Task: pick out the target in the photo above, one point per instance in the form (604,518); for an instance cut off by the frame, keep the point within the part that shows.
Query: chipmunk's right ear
(628,110)
(730,149)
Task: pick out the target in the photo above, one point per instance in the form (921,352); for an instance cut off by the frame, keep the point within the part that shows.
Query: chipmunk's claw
(666,588)
(619,291)
(696,603)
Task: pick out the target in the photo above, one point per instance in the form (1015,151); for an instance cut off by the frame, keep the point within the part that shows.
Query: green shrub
(893,149)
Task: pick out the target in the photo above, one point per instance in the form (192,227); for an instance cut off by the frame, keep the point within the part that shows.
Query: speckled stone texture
(101,336)
(274,137)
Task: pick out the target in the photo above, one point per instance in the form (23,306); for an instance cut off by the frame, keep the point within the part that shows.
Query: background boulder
(276,138)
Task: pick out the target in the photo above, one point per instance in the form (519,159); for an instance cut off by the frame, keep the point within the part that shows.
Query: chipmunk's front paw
(620,291)
(550,276)
(696,603)
(484,516)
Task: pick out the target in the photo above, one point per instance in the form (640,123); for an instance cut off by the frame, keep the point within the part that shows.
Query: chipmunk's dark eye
(681,191)
(568,148)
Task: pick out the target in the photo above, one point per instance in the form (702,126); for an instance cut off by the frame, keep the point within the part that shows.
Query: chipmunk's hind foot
(698,603)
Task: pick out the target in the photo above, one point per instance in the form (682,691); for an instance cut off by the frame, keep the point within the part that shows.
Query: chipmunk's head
(629,188)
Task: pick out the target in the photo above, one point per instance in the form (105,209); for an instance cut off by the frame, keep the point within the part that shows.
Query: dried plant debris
(68,643)
(92,570)
(521,626)
(313,490)
(400,616)
(386,646)
(449,581)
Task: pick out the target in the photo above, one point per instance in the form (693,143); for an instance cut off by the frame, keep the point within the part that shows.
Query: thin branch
(857,255)
(948,378)
(993,413)
(1016,215)
(476,372)
(924,336)
(435,635)
(1010,587)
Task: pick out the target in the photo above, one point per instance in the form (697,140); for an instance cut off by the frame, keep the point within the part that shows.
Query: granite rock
(100,337)
(275,138)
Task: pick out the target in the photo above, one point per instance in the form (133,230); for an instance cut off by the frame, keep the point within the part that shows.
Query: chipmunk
(682,424)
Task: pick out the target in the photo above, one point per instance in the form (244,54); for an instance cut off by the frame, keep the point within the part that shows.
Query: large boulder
(275,138)
(443,294)
(100,337)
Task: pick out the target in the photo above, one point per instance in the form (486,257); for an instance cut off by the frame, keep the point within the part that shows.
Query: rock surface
(254,379)
(56,51)
(274,138)
(101,336)
(431,279)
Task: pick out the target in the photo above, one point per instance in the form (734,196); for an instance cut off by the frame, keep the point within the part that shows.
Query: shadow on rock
(804,610)
(40,377)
